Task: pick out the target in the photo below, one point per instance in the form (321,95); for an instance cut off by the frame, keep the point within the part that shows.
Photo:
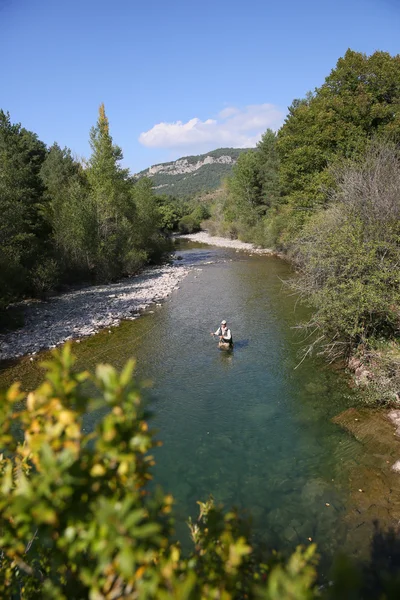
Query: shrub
(45,276)
(188,224)
(349,255)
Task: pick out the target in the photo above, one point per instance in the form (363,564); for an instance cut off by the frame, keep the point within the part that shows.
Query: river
(252,426)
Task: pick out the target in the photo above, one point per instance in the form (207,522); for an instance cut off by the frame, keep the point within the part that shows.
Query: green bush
(188,224)
(349,255)
(45,276)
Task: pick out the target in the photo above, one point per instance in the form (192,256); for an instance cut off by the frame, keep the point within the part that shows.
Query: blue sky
(176,77)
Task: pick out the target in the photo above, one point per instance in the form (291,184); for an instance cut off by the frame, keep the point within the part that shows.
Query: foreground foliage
(78,518)
(81,518)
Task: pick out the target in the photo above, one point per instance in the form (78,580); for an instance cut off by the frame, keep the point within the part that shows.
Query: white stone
(71,315)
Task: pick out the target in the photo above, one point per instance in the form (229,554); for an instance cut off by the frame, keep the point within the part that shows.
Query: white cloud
(233,127)
(228,112)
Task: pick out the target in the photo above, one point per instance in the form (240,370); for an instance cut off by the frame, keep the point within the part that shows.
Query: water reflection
(225,358)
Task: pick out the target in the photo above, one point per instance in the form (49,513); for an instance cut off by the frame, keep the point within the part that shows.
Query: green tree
(70,211)
(359,100)
(268,168)
(171,210)
(58,169)
(147,241)
(110,193)
(245,190)
(23,231)
(253,191)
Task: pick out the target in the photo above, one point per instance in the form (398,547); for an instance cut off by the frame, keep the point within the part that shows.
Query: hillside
(190,175)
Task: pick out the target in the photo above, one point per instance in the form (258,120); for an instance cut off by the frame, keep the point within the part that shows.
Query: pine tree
(22,228)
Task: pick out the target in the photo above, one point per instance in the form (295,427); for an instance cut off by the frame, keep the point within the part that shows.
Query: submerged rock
(378,479)
(394,417)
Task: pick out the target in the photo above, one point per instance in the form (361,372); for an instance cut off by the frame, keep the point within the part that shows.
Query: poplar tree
(109,190)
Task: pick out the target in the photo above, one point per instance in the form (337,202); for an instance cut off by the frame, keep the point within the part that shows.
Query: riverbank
(203,237)
(84,312)
(377,371)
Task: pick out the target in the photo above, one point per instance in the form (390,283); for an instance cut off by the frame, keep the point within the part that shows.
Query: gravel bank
(85,311)
(205,238)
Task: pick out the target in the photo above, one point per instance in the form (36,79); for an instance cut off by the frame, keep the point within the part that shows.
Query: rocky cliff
(190,175)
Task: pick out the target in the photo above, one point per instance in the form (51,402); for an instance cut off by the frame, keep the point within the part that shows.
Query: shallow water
(249,426)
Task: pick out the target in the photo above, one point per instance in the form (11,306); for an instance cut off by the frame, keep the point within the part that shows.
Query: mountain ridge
(190,175)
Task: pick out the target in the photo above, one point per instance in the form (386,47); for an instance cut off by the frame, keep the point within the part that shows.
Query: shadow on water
(377,576)
(382,573)
(237,347)
(227,355)
(241,344)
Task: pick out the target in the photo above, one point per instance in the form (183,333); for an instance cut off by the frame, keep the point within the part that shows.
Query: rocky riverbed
(374,503)
(85,311)
(205,238)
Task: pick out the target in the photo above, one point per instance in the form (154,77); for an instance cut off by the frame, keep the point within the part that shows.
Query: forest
(67,221)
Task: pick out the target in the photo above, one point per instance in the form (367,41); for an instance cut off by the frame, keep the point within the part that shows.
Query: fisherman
(224,333)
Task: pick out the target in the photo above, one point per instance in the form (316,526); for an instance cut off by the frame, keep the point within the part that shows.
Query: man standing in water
(224,333)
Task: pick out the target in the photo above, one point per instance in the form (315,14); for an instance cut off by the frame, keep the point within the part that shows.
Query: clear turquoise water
(247,426)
